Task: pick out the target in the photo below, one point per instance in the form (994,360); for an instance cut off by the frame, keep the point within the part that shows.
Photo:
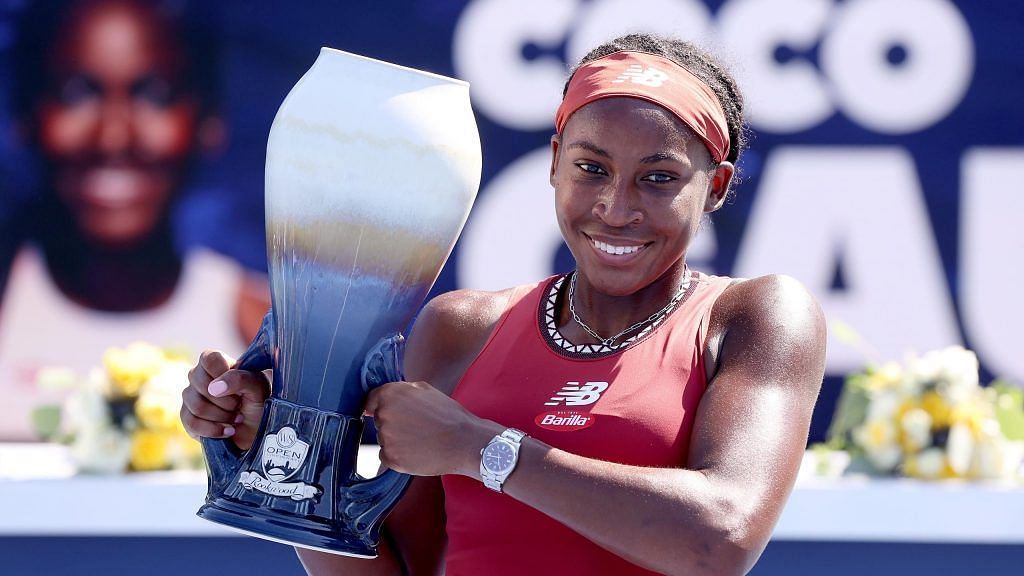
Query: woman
(665,411)
(118,97)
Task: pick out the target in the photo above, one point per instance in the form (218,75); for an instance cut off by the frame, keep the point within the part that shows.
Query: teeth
(616,249)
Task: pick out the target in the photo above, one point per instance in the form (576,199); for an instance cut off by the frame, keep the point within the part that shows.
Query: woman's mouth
(616,250)
(115,188)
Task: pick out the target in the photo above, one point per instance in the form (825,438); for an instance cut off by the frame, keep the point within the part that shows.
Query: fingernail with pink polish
(229,430)
(239,419)
(217,387)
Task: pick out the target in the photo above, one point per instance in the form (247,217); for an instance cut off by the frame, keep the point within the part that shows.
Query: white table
(842,510)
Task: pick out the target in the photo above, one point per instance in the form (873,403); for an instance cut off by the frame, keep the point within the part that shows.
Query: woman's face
(631,185)
(117,126)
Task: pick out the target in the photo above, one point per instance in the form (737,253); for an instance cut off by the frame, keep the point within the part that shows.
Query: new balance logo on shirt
(565,419)
(637,74)
(575,394)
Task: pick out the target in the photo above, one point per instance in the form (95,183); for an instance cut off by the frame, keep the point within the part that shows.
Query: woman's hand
(422,431)
(223,403)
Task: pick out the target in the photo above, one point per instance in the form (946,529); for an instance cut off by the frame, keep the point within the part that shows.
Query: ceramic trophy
(371,172)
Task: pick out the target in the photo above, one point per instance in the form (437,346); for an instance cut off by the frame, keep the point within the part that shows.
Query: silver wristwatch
(498,459)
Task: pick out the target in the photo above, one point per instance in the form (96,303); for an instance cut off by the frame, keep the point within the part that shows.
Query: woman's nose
(617,205)
(116,130)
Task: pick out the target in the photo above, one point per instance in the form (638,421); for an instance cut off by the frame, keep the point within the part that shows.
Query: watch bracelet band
(514,435)
(493,482)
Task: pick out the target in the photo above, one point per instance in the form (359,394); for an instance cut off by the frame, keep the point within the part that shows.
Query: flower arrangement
(124,417)
(929,418)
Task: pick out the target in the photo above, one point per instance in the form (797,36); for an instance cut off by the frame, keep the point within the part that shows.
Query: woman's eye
(76,89)
(659,178)
(155,91)
(590,168)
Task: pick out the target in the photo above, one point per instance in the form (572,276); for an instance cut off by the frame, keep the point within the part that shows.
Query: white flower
(953,370)
(960,448)
(931,462)
(885,458)
(923,369)
(884,404)
(878,439)
(171,379)
(876,433)
(995,456)
(959,366)
(101,450)
(917,428)
(86,408)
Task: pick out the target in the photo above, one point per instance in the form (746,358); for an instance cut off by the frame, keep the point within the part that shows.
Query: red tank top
(632,406)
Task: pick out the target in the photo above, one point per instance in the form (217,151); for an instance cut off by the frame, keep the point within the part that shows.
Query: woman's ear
(556,141)
(720,180)
(212,135)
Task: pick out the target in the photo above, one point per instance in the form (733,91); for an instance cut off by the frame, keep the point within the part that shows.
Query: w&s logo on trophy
(282,455)
(371,172)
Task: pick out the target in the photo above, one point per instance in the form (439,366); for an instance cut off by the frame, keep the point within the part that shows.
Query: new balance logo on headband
(637,74)
(575,394)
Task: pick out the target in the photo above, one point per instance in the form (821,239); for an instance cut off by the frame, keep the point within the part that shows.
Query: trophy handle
(222,455)
(367,502)
(383,363)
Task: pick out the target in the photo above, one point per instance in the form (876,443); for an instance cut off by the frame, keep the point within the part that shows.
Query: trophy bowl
(371,171)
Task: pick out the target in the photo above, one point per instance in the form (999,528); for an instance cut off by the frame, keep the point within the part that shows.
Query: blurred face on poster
(117,122)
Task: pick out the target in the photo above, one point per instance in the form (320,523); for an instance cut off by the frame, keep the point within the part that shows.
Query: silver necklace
(652,319)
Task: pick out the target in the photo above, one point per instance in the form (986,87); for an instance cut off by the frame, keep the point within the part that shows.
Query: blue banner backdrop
(884,169)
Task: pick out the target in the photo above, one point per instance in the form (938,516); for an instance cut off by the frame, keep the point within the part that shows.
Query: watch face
(498,457)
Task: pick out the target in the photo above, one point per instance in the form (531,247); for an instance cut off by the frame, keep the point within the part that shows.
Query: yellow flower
(936,407)
(158,411)
(149,450)
(878,438)
(875,434)
(159,402)
(889,375)
(129,368)
(973,413)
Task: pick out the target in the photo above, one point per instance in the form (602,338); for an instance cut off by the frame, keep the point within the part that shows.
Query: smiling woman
(116,125)
(632,417)
(118,99)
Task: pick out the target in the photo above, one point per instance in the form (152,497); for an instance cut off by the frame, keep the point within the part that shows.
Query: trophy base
(302,532)
(298,485)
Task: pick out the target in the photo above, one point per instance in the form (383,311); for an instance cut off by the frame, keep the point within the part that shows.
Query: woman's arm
(713,517)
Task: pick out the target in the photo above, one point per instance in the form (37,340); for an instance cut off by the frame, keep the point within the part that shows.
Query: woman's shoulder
(774,311)
(765,295)
(473,313)
(450,331)
(465,310)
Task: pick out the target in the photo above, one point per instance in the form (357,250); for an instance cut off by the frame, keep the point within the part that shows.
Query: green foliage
(851,411)
(1010,410)
(46,421)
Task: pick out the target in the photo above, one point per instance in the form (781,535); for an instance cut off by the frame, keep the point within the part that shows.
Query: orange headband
(655,79)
